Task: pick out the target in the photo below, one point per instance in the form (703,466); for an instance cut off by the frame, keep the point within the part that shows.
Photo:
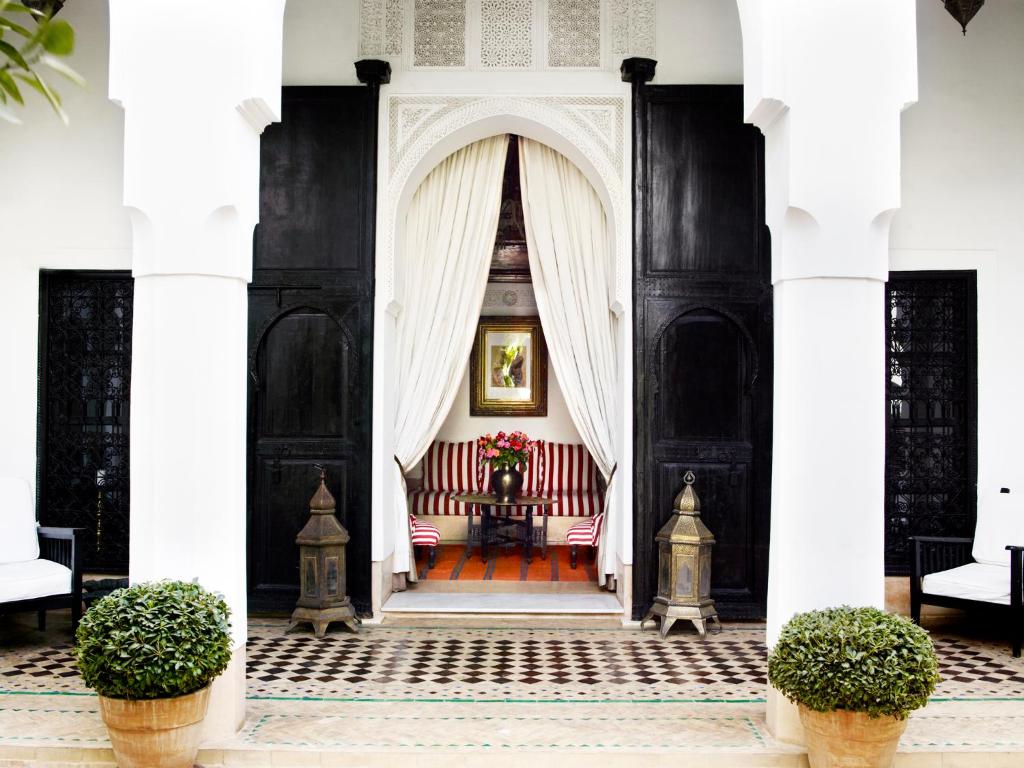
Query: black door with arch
(702,335)
(310,334)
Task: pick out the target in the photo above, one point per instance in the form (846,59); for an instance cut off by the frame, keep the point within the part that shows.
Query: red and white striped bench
(587,534)
(565,472)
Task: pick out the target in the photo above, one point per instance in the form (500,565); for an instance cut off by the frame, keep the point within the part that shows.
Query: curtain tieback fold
(400,467)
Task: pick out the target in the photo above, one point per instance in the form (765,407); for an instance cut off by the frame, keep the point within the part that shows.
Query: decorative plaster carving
(394,27)
(631,28)
(508,295)
(506,34)
(574,33)
(593,124)
(507,30)
(439,33)
(371,27)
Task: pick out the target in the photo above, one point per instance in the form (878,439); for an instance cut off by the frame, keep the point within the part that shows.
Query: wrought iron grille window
(931,436)
(84,384)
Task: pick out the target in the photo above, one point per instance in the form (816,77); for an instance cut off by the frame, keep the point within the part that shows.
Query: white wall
(61,209)
(963,202)
(699,42)
(321,38)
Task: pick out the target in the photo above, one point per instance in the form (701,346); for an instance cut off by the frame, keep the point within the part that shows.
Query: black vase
(506,484)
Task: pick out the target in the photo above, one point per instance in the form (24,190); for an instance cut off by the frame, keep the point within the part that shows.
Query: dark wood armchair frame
(59,545)
(932,554)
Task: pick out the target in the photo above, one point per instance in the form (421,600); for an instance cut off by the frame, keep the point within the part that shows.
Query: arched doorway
(470,121)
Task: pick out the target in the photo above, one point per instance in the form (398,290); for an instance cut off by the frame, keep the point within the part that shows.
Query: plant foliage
(32,42)
(857,659)
(154,640)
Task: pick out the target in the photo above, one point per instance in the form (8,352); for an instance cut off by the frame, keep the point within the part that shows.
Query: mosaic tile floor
(516,663)
(428,690)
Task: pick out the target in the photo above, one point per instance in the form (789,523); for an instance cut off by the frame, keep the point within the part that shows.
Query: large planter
(506,484)
(156,733)
(844,739)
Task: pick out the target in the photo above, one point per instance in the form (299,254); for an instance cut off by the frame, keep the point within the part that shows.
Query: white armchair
(40,568)
(983,572)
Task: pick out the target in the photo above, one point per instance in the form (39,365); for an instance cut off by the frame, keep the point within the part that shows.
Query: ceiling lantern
(963,10)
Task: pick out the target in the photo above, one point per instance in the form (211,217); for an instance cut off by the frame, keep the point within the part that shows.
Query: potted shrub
(151,651)
(856,674)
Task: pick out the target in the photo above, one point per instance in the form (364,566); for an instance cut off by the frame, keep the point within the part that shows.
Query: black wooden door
(310,340)
(702,334)
(85,361)
(931,463)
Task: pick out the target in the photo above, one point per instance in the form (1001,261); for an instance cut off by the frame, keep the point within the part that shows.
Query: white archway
(419,133)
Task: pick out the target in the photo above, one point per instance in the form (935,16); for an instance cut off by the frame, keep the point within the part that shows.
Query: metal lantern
(684,566)
(322,541)
(963,10)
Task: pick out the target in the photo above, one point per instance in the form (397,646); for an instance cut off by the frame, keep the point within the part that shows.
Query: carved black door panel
(703,335)
(305,368)
(85,361)
(311,334)
(931,414)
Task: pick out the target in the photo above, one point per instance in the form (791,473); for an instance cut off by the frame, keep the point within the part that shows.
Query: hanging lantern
(322,541)
(963,10)
(684,566)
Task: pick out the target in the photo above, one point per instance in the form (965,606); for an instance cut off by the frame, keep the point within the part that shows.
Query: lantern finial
(686,501)
(322,500)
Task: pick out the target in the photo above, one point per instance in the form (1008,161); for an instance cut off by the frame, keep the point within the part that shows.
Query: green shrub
(858,659)
(154,640)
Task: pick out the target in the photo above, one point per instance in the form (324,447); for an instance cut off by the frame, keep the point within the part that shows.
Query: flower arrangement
(506,451)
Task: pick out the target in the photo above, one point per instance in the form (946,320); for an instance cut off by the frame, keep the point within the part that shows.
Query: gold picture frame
(508,368)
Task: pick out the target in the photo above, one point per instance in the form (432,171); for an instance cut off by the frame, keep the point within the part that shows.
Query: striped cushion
(567,504)
(423,534)
(451,467)
(554,467)
(587,533)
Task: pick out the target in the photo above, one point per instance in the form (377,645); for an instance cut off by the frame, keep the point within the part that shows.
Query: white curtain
(442,275)
(572,272)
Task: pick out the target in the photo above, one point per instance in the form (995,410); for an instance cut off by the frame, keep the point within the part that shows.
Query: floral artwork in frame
(508,368)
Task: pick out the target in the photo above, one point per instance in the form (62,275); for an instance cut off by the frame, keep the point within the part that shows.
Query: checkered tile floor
(428,663)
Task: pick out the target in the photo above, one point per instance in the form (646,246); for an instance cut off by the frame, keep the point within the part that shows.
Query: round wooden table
(487,504)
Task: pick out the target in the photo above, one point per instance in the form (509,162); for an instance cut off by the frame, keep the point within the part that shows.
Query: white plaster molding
(590,130)
(574,33)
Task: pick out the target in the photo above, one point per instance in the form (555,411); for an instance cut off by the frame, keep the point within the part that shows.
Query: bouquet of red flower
(506,451)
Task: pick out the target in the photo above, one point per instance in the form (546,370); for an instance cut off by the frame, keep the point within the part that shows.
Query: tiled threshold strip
(55,729)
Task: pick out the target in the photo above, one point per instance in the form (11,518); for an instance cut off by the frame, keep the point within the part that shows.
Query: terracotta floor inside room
(454,562)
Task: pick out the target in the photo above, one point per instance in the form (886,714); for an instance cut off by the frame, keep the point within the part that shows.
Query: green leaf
(61,68)
(9,7)
(36,82)
(14,55)
(59,38)
(14,27)
(9,86)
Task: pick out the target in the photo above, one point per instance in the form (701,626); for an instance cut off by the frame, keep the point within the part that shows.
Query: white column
(826,83)
(198,82)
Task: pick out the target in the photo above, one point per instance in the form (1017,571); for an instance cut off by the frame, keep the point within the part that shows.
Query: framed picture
(508,368)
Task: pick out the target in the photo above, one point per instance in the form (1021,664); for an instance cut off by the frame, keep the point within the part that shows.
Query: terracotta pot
(156,733)
(845,739)
(506,484)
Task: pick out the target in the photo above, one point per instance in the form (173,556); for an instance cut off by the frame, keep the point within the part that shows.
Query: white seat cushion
(975,581)
(1000,522)
(19,541)
(35,578)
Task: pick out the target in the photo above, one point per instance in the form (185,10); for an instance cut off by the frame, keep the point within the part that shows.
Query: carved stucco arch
(591,131)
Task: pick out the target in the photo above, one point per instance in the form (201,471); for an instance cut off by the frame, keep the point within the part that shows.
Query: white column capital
(199,82)
(826,83)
